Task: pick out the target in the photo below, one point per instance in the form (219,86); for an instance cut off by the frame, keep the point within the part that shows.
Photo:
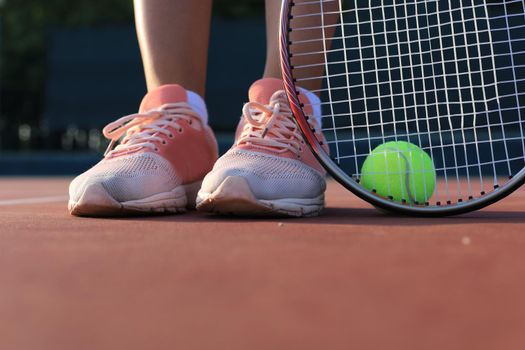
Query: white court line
(36,200)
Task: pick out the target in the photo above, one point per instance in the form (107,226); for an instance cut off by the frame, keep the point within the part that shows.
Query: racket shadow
(374,217)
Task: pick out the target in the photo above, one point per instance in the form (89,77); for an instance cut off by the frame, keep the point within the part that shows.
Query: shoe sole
(97,202)
(235,197)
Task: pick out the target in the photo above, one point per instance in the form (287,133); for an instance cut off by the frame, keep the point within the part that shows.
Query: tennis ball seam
(407,172)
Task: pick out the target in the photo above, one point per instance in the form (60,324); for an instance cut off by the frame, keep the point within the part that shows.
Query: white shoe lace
(142,130)
(271,126)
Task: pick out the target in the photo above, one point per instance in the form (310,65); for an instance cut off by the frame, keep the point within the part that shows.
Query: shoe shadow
(347,216)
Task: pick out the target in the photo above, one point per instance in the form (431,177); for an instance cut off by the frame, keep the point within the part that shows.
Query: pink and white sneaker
(166,150)
(269,170)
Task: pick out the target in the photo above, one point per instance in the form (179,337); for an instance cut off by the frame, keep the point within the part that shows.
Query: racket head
(503,184)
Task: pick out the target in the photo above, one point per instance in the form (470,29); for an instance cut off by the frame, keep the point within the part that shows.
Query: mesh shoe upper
(270,177)
(126,178)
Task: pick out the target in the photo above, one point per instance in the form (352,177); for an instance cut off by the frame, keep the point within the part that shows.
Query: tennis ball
(399,170)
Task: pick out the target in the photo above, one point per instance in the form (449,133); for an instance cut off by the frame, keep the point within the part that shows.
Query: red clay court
(353,278)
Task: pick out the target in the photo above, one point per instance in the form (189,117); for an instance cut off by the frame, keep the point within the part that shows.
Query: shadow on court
(345,216)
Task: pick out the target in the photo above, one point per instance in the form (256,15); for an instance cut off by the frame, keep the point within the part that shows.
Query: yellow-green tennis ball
(401,171)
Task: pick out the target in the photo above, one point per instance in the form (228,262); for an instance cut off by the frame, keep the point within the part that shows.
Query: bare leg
(273,13)
(273,67)
(173,37)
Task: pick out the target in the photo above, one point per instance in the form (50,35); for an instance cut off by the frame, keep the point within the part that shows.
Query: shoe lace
(271,126)
(142,130)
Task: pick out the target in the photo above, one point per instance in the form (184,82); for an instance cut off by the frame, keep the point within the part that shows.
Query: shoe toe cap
(120,188)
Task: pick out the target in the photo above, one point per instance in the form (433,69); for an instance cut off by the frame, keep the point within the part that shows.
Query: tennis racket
(445,76)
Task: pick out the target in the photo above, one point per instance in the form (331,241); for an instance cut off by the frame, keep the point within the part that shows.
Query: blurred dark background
(68,67)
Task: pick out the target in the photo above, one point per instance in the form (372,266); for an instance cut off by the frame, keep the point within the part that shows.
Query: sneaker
(269,170)
(165,152)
